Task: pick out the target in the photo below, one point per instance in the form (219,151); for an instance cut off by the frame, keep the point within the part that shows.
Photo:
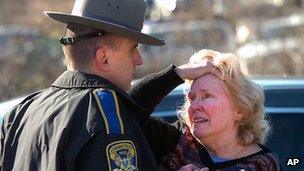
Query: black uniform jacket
(84,122)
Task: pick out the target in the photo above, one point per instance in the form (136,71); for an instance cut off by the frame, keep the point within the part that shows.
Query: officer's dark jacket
(84,122)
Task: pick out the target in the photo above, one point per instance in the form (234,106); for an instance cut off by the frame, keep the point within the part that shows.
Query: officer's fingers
(204,169)
(216,71)
(188,167)
(194,70)
(200,71)
(209,63)
(203,63)
(211,70)
(190,70)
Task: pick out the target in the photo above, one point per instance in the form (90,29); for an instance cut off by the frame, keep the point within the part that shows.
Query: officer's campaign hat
(122,17)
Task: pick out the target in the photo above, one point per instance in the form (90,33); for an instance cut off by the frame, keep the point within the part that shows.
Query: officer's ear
(102,57)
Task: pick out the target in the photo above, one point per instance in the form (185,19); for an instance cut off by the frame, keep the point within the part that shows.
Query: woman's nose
(195,105)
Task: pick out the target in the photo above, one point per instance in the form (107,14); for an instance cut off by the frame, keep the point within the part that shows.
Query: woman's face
(211,113)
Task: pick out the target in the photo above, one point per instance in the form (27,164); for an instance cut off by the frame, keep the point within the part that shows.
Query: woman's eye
(190,96)
(206,96)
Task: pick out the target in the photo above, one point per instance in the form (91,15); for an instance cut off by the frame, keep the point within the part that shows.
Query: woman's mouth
(200,120)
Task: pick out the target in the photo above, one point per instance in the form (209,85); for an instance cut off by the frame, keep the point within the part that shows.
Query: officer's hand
(193,70)
(191,167)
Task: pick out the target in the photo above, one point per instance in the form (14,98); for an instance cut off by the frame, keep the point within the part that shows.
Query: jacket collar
(78,79)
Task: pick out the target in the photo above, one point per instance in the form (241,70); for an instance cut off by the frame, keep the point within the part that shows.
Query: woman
(222,121)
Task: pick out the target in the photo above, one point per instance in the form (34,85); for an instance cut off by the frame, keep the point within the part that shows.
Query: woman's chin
(199,134)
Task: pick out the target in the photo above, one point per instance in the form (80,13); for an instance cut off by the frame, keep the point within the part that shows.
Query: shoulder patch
(122,156)
(108,104)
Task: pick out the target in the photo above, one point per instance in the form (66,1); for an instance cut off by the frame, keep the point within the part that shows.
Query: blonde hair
(246,95)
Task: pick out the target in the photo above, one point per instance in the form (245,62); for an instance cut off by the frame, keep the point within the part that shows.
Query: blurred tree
(31,60)
(274,31)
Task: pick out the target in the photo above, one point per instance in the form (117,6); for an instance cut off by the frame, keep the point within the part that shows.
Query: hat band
(71,40)
(108,20)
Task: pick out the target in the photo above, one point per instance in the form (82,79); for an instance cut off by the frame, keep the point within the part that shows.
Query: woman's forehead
(208,82)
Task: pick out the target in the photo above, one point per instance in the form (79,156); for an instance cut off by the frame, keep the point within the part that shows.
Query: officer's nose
(137,59)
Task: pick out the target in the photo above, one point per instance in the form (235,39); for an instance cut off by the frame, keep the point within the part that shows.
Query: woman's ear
(239,115)
(102,57)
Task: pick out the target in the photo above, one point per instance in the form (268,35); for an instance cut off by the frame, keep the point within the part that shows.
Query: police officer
(85,120)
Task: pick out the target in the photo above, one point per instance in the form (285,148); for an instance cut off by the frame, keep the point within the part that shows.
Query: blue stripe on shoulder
(109,107)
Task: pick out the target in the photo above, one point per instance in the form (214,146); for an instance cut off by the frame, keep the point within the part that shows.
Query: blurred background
(267,34)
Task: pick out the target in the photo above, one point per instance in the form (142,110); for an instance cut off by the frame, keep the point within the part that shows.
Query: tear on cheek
(187,120)
(213,108)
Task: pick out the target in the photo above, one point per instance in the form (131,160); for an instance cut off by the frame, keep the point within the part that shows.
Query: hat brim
(107,26)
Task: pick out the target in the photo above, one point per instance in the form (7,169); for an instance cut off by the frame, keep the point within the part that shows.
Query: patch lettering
(122,156)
